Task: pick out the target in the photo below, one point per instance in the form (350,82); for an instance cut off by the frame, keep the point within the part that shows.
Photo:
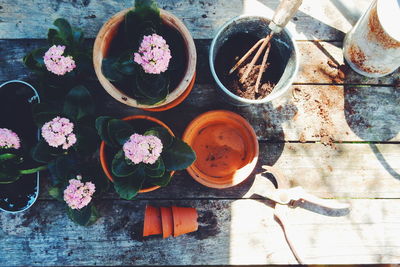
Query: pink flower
(59,132)
(9,139)
(153,55)
(56,63)
(142,148)
(77,194)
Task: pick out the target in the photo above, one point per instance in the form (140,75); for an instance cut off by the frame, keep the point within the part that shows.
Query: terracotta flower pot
(176,95)
(185,220)
(152,221)
(104,156)
(226,147)
(167,221)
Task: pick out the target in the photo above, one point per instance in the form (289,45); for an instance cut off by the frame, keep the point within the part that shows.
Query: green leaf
(120,167)
(87,139)
(63,168)
(161,181)
(153,86)
(155,170)
(51,34)
(119,131)
(178,156)
(43,113)
(56,193)
(162,133)
(79,103)
(85,216)
(9,175)
(102,129)
(109,67)
(128,187)
(34,60)
(78,36)
(7,156)
(125,63)
(43,153)
(64,30)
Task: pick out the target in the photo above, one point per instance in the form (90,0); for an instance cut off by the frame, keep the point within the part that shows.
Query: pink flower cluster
(78,194)
(56,63)
(154,54)
(143,148)
(9,139)
(58,132)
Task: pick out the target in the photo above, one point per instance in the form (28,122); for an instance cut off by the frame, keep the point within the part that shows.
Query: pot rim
(102,152)
(121,96)
(38,135)
(227,91)
(245,170)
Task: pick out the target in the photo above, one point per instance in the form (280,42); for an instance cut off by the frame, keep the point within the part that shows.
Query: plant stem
(33,170)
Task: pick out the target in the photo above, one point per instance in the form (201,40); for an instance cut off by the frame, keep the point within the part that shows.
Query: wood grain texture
(320,63)
(346,171)
(29,19)
(230,232)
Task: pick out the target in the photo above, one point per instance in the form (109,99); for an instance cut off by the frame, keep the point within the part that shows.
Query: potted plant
(140,153)
(145,57)
(63,63)
(67,144)
(19,174)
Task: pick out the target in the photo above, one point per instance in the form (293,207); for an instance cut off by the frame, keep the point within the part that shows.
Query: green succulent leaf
(43,153)
(109,67)
(9,174)
(87,139)
(125,63)
(79,103)
(120,167)
(161,181)
(119,131)
(7,156)
(178,156)
(128,187)
(102,129)
(56,193)
(43,113)
(153,86)
(162,133)
(155,170)
(63,168)
(64,30)
(85,216)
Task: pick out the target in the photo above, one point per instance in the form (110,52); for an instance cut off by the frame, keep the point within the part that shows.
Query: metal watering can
(372,47)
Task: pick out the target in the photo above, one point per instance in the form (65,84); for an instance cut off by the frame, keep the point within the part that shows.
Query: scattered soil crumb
(302,139)
(397,83)
(330,168)
(333,64)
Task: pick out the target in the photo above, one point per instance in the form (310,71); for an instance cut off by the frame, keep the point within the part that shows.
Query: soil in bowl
(177,65)
(231,51)
(15,100)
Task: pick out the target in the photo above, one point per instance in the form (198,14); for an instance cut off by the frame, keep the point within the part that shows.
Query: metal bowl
(257,26)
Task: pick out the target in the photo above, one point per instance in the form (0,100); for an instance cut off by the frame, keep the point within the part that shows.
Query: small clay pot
(152,221)
(226,147)
(185,220)
(176,95)
(103,154)
(167,221)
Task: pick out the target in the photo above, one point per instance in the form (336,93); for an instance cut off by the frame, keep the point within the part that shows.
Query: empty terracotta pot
(176,95)
(185,220)
(152,221)
(104,157)
(167,221)
(226,147)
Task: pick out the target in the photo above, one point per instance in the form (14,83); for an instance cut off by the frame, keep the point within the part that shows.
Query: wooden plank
(231,232)
(346,171)
(322,113)
(319,20)
(320,63)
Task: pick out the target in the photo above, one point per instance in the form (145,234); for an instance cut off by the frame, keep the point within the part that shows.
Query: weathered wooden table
(335,133)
